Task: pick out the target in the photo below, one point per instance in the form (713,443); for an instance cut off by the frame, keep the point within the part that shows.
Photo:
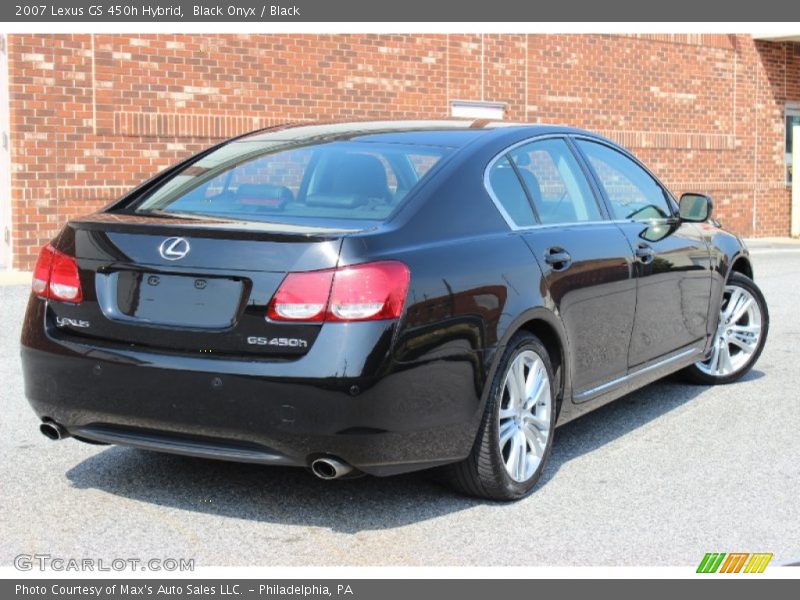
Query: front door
(673,267)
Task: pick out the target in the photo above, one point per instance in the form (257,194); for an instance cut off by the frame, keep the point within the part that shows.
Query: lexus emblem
(174,248)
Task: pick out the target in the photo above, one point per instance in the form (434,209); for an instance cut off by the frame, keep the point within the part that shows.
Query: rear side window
(632,191)
(272,182)
(509,194)
(555,182)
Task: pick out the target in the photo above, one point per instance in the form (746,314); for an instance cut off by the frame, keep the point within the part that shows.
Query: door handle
(645,254)
(558,258)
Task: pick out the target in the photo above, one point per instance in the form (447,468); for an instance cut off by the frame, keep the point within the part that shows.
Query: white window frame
(792,109)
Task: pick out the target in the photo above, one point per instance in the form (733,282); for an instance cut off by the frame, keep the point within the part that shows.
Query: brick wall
(93,115)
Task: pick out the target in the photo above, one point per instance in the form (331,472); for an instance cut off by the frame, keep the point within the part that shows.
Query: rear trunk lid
(192,286)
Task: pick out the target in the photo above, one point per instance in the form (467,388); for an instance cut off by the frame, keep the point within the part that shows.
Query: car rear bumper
(410,416)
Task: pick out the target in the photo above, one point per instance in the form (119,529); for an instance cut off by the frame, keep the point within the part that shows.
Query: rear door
(585,259)
(672,259)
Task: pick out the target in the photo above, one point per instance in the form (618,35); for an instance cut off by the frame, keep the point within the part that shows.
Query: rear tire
(740,336)
(516,432)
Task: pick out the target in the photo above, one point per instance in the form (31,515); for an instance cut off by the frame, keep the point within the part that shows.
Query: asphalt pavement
(657,478)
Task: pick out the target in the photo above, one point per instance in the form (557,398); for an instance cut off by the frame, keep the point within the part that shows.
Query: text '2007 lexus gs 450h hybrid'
(377,298)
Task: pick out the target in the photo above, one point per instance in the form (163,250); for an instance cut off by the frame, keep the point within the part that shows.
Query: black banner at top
(341,11)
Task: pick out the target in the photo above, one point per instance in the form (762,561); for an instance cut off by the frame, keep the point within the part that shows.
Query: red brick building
(90,116)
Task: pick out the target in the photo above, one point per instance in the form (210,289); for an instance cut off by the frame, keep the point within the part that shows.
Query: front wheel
(740,336)
(516,432)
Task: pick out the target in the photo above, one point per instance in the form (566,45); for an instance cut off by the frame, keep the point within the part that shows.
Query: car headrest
(522,159)
(359,175)
(504,181)
(263,194)
(334,201)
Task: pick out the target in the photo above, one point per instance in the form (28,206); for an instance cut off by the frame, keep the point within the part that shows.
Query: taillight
(365,292)
(301,297)
(56,276)
(41,272)
(368,292)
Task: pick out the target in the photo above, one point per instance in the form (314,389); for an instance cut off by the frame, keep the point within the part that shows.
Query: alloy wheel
(738,333)
(524,416)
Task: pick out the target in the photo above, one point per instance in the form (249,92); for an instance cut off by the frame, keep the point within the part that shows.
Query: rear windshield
(266,181)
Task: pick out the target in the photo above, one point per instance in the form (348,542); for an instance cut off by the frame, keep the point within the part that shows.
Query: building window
(792,120)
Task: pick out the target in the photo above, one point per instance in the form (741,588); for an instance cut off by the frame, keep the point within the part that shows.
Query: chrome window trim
(499,205)
(572,224)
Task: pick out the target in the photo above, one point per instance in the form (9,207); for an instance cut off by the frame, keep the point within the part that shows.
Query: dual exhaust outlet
(53,431)
(330,468)
(325,468)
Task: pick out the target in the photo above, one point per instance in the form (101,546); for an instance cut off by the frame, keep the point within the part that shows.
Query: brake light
(56,276)
(302,297)
(366,292)
(41,272)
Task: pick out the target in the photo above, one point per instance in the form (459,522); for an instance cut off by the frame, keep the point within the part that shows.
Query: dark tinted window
(268,181)
(508,191)
(555,182)
(632,191)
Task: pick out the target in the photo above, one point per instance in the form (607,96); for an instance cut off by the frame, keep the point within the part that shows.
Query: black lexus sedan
(383,297)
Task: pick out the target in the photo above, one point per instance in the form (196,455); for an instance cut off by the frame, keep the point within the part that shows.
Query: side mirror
(695,208)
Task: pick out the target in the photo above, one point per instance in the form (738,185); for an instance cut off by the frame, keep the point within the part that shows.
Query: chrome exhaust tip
(330,468)
(53,431)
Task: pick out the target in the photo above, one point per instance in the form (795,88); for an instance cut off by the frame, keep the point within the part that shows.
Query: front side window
(555,182)
(632,191)
(273,181)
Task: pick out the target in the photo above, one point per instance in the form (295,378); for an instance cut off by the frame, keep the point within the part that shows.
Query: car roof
(452,133)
